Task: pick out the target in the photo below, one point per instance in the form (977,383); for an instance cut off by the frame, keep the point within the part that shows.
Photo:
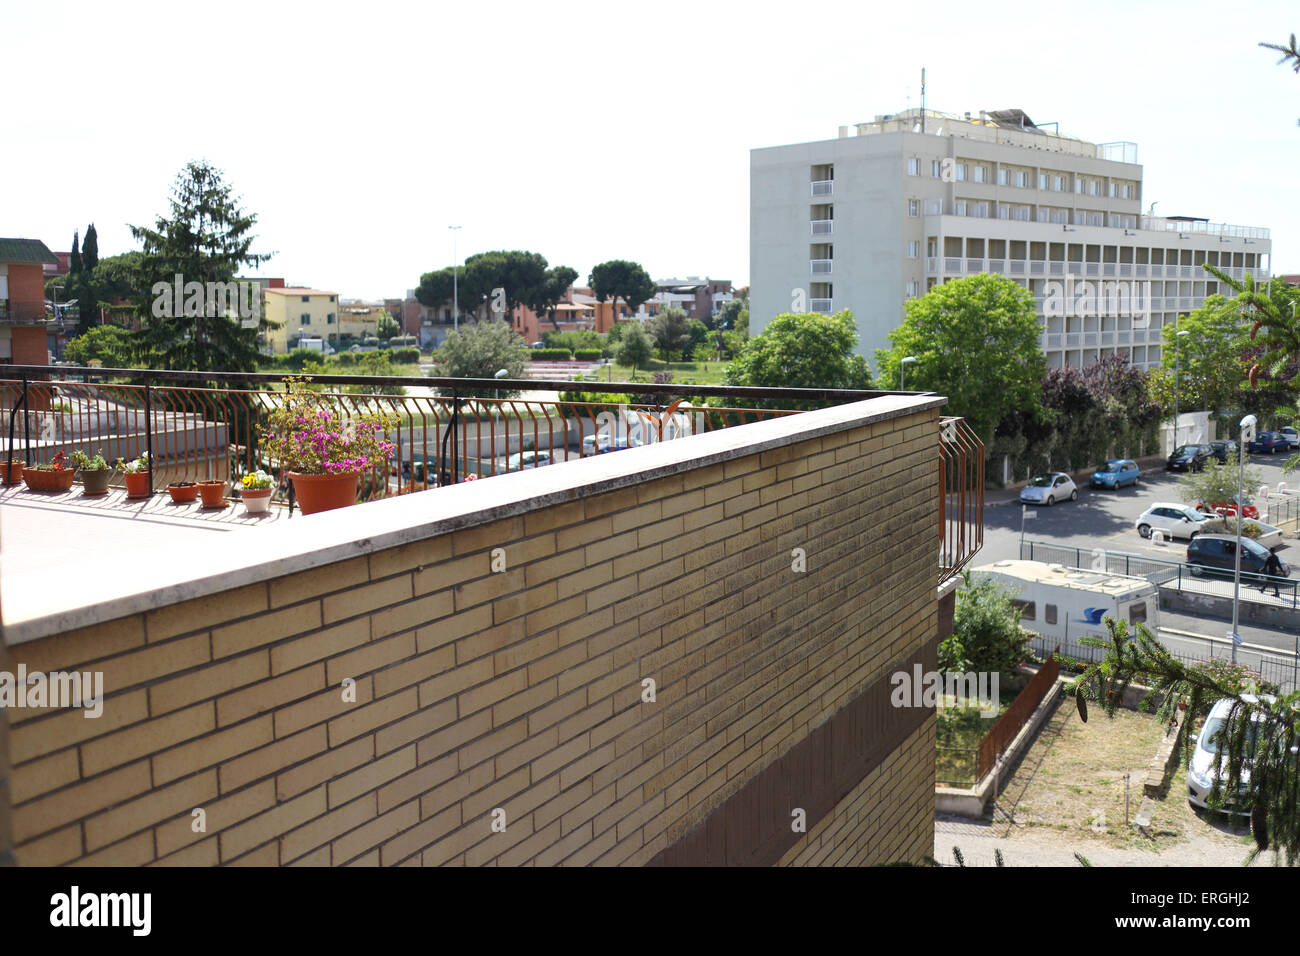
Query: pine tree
(90,249)
(205,238)
(74,261)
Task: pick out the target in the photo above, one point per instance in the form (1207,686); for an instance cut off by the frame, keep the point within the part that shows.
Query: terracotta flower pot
(11,472)
(183,492)
(96,482)
(213,493)
(324,492)
(137,484)
(257,500)
(48,480)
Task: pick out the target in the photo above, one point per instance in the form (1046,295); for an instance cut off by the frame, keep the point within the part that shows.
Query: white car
(1291,435)
(528,459)
(1209,759)
(1176,520)
(1048,489)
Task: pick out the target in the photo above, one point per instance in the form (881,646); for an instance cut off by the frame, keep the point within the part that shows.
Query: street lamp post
(455,268)
(1247,423)
(496,393)
(902,371)
(1177,350)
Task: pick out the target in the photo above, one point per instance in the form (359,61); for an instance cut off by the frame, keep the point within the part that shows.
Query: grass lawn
(960,730)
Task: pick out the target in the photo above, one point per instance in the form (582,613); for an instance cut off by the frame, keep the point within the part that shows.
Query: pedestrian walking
(1272,568)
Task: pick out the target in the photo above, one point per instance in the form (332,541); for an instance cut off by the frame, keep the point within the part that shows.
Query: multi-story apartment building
(867,221)
(699,298)
(298,312)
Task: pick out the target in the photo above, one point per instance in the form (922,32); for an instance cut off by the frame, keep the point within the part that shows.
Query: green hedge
(587,355)
(542,355)
(406,356)
(346,358)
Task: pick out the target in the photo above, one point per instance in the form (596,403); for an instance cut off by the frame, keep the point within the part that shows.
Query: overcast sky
(357,133)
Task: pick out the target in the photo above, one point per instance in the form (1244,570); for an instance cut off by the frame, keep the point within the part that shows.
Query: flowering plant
(134,467)
(305,433)
(256,481)
(58,463)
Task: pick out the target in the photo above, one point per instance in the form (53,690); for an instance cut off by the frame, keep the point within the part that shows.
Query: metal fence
(1280,670)
(1175,574)
(1000,736)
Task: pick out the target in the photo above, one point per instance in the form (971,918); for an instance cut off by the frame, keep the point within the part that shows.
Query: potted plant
(11,471)
(54,476)
(183,492)
(255,489)
(136,474)
(213,493)
(95,472)
(321,454)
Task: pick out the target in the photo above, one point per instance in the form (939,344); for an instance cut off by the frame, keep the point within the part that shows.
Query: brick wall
(521,689)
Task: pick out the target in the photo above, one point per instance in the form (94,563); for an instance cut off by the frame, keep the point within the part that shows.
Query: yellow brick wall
(519,690)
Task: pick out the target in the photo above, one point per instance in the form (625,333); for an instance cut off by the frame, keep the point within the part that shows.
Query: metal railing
(823,227)
(1176,574)
(205,425)
(961,496)
(823,187)
(1001,735)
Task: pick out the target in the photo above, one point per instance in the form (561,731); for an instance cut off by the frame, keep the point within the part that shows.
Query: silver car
(1048,489)
(1210,760)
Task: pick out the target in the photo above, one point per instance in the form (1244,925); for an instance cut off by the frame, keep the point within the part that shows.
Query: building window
(960,172)
(959,207)
(1060,184)
(331,298)
(306,318)
(913,166)
(306,298)
(913,289)
(981,174)
(1042,180)
(914,207)
(1004,177)
(1022,179)
(913,248)
(329,319)
(936,169)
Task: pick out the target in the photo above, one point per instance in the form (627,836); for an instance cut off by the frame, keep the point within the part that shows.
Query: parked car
(1049,488)
(537,345)
(1292,437)
(1217,553)
(1176,521)
(1209,758)
(1115,473)
(1188,458)
(1229,508)
(1271,442)
(599,445)
(1224,450)
(528,459)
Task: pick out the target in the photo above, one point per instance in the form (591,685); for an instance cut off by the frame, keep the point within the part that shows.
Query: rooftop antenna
(923,100)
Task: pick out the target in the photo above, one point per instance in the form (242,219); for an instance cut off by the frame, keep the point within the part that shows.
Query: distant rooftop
(25,250)
(299,290)
(1011,127)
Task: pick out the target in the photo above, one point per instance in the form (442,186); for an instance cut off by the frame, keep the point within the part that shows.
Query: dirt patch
(1070,786)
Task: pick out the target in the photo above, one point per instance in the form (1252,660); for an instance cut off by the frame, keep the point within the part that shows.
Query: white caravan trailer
(1065,604)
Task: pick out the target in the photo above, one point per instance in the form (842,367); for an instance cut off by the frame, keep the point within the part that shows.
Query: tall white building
(866,221)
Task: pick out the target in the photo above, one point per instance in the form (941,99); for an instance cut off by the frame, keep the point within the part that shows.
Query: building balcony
(823,187)
(820,267)
(524,641)
(820,305)
(823,227)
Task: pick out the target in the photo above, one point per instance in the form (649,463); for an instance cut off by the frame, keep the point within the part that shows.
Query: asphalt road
(1105,519)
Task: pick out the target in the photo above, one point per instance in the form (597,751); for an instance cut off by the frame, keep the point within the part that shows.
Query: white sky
(589,131)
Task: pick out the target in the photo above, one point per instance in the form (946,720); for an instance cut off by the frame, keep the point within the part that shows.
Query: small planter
(96,482)
(257,500)
(183,492)
(316,493)
(137,484)
(213,493)
(60,480)
(11,472)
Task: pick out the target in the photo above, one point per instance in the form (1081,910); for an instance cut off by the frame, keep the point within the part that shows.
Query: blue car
(1115,473)
(1271,442)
